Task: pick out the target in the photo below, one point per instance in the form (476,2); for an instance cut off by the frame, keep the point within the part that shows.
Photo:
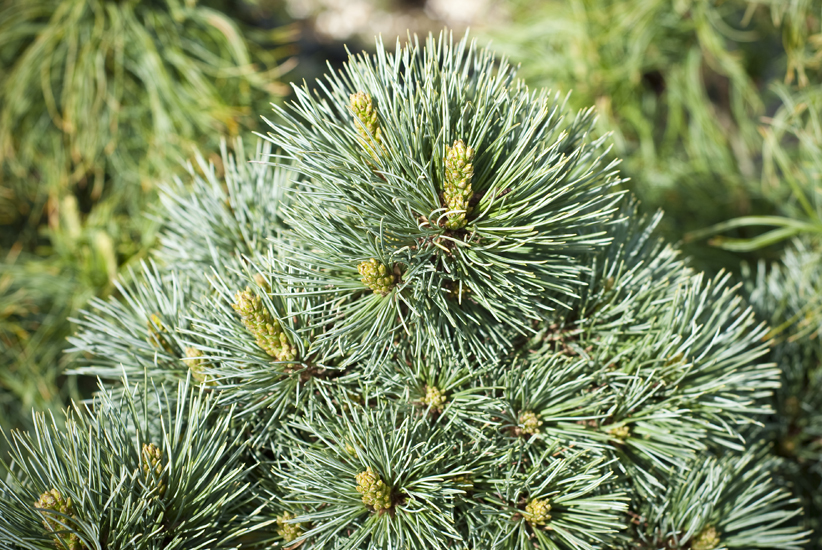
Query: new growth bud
(288,531)
(153,467)
(530,423)
(434,398)
(707,539)
(376,276)
(266,330)
(458,291)
(156,332)
(619,433)
(465,482)
(457,191)
(53,501)
(374,492)
(537,512)
(195,363)
(369,128)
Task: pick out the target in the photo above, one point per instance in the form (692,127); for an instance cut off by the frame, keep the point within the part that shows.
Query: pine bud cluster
(457,190)
(373,490)
(530,423)
(54,501)
(707,539)
(376,276)
(434,398)
(261,324)
(153,467)
(537,512)
(620,433)
(363,108)
(288,531)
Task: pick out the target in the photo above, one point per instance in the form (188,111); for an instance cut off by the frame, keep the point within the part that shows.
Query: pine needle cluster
(98,101)
(101,479)
(588,390)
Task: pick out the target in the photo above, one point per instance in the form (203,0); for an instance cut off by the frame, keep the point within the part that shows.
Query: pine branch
(143,469)
(539,190)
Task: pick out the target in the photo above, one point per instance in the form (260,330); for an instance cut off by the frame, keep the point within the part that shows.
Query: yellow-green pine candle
(366,112)
(195,363)
(457,190)
(620,433)
(537,512)
(266,330)
(288,531)
(153,466)
(376,276)
(707,539)
(434,398)
(530,422)
(53,500)
(373,490)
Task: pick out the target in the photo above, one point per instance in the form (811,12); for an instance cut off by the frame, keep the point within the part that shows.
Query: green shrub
(531,369)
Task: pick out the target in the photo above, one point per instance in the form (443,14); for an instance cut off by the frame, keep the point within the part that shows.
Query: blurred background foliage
(715,108)
(98,101)
(685,88)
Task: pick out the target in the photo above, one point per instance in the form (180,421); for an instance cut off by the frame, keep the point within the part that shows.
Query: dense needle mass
(484,344)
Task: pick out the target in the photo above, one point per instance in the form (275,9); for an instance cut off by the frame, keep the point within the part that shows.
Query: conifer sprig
(211,216)
(529,174)
(100,481)
(551,502)
(550,397)
(122,337)
(788,295)
(370,477)
(447,389)
(706,502)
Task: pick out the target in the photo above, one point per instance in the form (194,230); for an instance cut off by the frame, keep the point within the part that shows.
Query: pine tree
(425,318)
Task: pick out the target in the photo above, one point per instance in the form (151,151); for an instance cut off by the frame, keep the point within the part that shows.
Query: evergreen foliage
(715,107)
(683,87)
(789,296)
(98,100)
(525,367)
(792,165)
(146,468)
